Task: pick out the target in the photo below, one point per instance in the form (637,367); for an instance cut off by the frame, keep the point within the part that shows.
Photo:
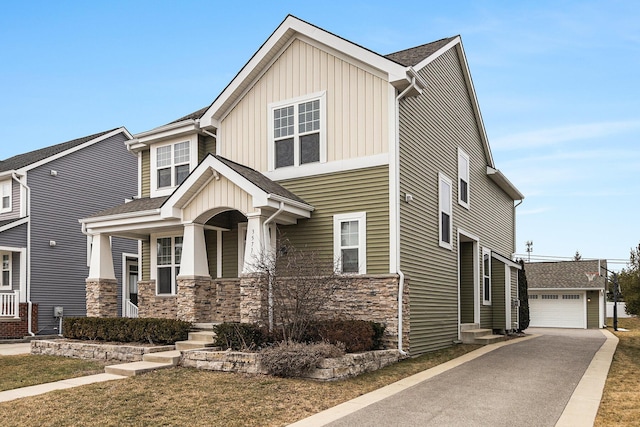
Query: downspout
(397,207)
(28,254)
(265,233)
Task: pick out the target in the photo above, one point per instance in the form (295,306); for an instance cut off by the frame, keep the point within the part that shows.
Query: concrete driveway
(527,382)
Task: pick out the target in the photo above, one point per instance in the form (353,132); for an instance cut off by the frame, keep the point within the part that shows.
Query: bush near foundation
(241,336)
(293,359)
(356,335)
(122,329)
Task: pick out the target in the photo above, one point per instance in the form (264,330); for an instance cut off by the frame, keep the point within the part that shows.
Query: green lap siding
(339,193)
(146,260)
(593,309)
(145,191)
(498,295)
(466,283)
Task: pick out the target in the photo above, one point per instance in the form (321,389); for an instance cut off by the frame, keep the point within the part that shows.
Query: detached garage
(567,294)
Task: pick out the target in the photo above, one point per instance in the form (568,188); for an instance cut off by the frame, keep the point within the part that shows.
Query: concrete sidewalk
(35,390)
(555,377)
(15,349)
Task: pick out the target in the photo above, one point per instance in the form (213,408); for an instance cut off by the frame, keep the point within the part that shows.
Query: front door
(132,281)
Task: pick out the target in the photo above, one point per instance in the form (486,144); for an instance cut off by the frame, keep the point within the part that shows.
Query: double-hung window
(445,211)
(5,276)
(486,276)
(5,195)
(172,164)
(168,255)
(350,242)
(463,178)
(297,132)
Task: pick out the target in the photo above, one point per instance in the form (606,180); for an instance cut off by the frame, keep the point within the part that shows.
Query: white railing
(130,309)
(10,304)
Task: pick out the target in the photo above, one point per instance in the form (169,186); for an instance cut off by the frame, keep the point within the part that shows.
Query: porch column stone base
(196,299)
(253,300)
(102,297)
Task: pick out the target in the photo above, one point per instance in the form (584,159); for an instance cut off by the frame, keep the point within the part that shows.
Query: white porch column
(254,245)
(194,252)
(101,259)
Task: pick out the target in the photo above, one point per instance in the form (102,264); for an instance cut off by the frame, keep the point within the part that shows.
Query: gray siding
(88,180)
(432,127)
(15,202)
(15,237)
(15,271)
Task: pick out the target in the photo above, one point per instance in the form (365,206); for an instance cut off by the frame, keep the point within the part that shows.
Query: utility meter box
(57,311)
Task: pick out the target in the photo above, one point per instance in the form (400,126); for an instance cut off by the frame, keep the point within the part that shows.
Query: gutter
(28,253)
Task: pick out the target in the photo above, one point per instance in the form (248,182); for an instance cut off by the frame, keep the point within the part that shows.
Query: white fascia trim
(74,149)
(505,260)
(123,216)
(140,174)
(166,131)
(563,289)
(290,202)
(14,224)
(313,169)
(420,65)
(290,28)
(498,177)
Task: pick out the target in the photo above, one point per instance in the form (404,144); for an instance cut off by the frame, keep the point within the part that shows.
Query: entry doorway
(130,277)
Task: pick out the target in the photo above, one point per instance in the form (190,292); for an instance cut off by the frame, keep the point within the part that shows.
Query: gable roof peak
(413,56)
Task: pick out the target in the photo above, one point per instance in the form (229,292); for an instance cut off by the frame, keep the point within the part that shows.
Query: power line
(564,258)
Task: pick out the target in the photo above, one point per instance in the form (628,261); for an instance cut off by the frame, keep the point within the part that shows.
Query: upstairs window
(172,164)
(350,242)
(297,132)
(445,220)
(5,194)
(168,256)
(463,178)
(486,277)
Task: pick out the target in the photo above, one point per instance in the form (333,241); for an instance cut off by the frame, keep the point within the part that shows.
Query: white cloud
(557,135)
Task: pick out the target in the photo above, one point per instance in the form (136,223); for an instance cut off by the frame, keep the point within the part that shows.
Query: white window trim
(153,169)
(153,254)
(461,173)
(361,217)
(296,146)
(485,300)
(6,286)
(2,195)
(444,179)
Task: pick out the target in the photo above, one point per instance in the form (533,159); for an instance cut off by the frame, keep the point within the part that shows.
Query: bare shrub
(294,359)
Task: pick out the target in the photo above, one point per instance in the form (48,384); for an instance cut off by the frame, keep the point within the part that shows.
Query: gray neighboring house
(44,254)
(566,294)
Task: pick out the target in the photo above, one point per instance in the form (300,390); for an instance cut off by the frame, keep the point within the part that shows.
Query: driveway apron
(522,384)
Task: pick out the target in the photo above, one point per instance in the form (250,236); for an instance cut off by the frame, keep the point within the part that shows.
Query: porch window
(297,130)
(463,178)
(169,253)
(349,237)
(172,164)
(445,211)
(5,195)
(486,277)
(5,277)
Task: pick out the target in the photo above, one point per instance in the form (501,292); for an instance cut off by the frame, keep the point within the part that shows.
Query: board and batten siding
(88,180)
(218,193)
(340,193)
(356,106)
(15,202)
(432,128)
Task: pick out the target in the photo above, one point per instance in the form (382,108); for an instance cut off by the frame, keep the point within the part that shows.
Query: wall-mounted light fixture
(52,243)
(408,198)
(54,172)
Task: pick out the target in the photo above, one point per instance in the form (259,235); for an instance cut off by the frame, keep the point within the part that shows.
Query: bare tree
(299,284)
(577,256)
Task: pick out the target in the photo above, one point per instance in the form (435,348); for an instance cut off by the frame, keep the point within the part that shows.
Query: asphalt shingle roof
(25,159)
(413,56)
(137,205)
(564,275)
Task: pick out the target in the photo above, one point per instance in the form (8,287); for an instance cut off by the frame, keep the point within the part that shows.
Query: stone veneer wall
(328,369)
(102,297)
(195,299)
(86,350)
(227,297)
(367,297)
(19,328)
(151,305)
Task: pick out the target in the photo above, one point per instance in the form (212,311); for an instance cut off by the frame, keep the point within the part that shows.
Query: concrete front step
(202,336)
(172,357)
(469,326)
(490,339)
(475,333)
(193,344)
(135,368)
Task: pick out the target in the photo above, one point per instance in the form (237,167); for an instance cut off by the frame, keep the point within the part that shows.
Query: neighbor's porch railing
(130,309)
(10,304)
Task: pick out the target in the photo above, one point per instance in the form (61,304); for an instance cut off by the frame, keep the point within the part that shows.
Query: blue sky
(556,82)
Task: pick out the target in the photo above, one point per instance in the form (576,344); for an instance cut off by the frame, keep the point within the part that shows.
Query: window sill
(445,245)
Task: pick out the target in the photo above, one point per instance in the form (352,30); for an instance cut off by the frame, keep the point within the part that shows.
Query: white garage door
(557,309)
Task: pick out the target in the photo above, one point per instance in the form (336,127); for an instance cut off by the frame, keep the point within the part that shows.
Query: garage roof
(564,274)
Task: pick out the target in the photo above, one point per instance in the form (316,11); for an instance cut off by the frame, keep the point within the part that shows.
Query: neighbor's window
(172,164)
(5,277)
(445,219)
(297,134)
(463,178)
(349,242)
(486,277)
(169,253)
(5,194)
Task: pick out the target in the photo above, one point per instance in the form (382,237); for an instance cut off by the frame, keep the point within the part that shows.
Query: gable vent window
(297,133)
(445,211)
(172,162)
(5,194)
(463,178)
